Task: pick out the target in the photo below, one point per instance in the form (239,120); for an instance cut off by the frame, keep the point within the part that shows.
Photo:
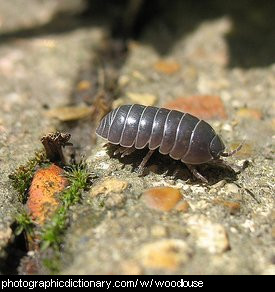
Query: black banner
(111,281)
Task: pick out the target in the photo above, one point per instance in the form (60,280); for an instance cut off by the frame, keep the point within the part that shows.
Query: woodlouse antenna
(227,154)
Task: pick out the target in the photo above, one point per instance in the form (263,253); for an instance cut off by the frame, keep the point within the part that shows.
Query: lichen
(50,235)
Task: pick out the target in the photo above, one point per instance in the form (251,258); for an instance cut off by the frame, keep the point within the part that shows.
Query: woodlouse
(181,135)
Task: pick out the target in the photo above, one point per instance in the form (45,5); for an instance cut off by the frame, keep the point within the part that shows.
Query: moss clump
(24,223)
(53,231)
(21,178)
(51,234)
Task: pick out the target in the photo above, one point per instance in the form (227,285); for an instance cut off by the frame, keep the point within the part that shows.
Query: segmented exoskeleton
(181,135)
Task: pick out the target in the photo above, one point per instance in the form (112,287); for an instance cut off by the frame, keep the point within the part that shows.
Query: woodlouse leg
(195,172)
(124,151)
(144,161)
(120,150)
(128,151)
(176,172)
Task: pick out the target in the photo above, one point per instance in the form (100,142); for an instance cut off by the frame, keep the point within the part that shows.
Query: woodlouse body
(183,136)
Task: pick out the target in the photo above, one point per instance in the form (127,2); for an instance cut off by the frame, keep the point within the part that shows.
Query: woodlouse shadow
(165,165)
(161,23)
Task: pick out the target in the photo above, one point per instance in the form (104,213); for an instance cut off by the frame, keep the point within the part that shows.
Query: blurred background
(171,49)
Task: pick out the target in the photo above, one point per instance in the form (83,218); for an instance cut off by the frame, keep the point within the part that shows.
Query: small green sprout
(24,223)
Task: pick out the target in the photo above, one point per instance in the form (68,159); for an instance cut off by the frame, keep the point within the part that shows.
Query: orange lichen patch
(83,85)
(142,98)
(69,113)
(162,198)
(250,113)
(45,186)
(202,106)
(167,67)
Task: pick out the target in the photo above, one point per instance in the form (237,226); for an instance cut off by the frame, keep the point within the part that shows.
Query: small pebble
(84,85)
(182,206)
(123,80)
(108,186)
(158,231)
(227,127)
(142,98)
(69,113)
(231,188)
(100,153)
(162,198)
(167,67)
(164,254)
(115,200)
(136,74)
(233,207)
(104,165)
(250,113)
(219,184)
(202,106)
(210,236)
(118,102)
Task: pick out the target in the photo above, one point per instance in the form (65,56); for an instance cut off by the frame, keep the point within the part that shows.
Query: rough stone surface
(164,254)
(216,55)
(38,70)
(108,186)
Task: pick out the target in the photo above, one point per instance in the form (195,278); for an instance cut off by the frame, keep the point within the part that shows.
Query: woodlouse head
(216,147)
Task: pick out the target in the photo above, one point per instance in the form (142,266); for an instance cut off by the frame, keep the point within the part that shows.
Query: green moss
(24,223)
(53,231)
(22,177)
